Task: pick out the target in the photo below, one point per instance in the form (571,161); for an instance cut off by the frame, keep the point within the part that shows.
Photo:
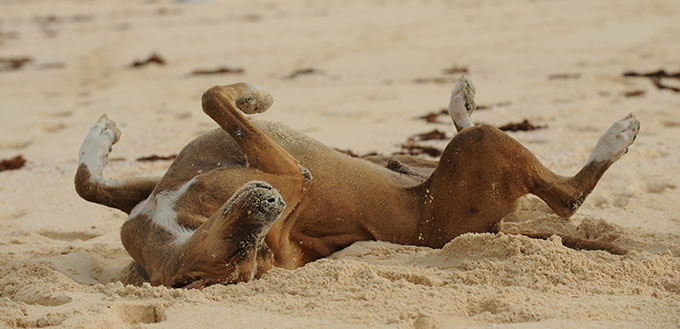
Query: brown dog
(248,196)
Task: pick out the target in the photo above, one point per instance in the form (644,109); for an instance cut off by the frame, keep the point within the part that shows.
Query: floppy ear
(209,203)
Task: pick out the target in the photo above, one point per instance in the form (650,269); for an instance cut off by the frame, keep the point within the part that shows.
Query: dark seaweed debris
(656,77)
(432,135)
(153,59)
(433,117)
(220,70)
(634,93)
(520,126)
(412,148)
(437,80)
(157,158)
(564,76)
(456,70)
(14,63)
(14,163)
(655,74)
(302,71)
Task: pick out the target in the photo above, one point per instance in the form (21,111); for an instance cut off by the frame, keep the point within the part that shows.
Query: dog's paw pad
(614,143)
(98,142)
(465,91)
(256,101)
(103,134)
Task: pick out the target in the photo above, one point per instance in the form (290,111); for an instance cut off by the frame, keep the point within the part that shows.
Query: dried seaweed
(302,71)
(51,19)
(220,70)
(412,148)
(456,70)
(656,78)
(153,59)
(433,117)
(564,76)
(14,63)
(12,164)
(634,93)
(437,80)
(157,158)
(432,135)
(520,126)
(654,74)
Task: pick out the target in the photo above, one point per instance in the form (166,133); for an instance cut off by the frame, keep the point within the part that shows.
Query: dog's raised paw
(107,129)
(255,101)
(465,90)
(103,134)
(616,140)
(97,144)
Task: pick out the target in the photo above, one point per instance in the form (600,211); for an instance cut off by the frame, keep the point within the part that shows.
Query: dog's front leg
(121,193)
(224,105)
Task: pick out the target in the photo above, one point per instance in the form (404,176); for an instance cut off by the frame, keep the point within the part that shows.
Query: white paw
(97,144)
(462,104)
(107,129)
(464,94)
(104,132)
(615,141)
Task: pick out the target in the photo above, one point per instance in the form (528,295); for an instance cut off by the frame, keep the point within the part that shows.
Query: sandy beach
(355,75)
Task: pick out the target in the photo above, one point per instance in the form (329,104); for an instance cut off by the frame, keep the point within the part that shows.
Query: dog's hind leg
(90,183)
(483,171)
(566,194)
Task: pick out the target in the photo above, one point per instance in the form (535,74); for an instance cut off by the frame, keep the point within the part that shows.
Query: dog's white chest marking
(161,209)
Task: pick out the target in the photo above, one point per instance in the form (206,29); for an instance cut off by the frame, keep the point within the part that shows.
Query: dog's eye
(468,107)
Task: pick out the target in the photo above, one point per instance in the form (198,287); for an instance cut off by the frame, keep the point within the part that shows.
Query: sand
(372,68)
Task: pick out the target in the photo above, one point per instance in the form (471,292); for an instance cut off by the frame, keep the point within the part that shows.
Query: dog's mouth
(233,270)
(192,281)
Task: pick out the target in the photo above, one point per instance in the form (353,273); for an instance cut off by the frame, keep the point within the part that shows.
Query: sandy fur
(433,211)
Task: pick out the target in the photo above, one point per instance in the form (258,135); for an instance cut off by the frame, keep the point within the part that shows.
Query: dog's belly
(348,200)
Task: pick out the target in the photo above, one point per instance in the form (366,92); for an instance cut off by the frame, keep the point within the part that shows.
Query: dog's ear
(209,203)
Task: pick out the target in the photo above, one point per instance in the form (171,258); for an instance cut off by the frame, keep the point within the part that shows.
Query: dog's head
(230,247)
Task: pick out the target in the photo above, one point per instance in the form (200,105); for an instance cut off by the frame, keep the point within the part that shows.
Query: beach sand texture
(354,74)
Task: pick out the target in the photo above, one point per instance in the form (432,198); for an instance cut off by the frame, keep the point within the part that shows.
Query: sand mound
(474,279)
